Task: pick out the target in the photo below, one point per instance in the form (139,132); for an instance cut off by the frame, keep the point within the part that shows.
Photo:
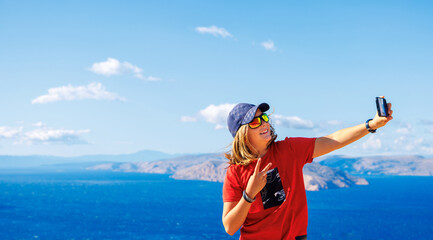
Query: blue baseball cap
(243,113)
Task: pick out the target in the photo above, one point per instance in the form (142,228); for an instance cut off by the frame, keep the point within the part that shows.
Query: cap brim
(252,112)
(263,107)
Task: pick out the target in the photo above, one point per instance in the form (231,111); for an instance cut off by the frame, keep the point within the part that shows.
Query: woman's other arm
(235,213)
(349,135)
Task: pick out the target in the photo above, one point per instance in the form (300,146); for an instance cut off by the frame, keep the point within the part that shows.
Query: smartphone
(382,106)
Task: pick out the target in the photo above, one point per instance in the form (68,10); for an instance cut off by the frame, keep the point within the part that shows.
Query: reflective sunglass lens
(255,123)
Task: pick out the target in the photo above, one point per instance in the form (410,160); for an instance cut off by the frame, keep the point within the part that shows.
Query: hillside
(212,167)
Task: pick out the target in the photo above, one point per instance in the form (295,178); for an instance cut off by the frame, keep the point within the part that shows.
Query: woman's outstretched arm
(349,135)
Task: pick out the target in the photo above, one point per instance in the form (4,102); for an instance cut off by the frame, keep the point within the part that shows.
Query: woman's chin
(266,137)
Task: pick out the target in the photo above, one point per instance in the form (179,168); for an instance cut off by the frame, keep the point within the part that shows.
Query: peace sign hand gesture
(257,180)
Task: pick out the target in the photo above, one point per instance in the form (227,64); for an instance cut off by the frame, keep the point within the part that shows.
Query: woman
(270,202)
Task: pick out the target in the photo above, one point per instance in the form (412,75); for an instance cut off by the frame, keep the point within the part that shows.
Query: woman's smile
(264,132)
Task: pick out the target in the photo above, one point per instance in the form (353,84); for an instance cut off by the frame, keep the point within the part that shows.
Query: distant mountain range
(212,167)
(31,161)
(412,165)
(325,172)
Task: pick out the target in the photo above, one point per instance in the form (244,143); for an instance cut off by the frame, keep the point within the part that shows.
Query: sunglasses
(257,121)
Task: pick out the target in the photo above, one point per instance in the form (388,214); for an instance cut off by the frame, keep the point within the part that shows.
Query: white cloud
(427,150)
(38,124)
(405,129)
(69,93)
(150,78)
(217,114)
(188,119)
(214,30)
(114,67)
(10,132)
(269,45)
(48,135)
(334,122)
(372,142)
(110,67)
(219,126)
(128,67)
(409,144)
(43,135)
(413,144)
(400,140)
(292,122)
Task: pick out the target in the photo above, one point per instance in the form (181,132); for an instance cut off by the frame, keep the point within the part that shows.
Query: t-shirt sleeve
(232,191)
(302,148)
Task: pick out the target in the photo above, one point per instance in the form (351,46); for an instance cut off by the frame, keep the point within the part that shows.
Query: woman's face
(259,136)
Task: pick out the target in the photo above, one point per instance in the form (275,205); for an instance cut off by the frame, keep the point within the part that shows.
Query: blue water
(106,205)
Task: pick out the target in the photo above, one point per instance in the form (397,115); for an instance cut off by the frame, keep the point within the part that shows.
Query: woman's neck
(262,150)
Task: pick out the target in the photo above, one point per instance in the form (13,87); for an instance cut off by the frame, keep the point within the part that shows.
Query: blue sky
(113,77)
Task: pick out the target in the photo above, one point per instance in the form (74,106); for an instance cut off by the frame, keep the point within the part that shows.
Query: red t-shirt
(280,210)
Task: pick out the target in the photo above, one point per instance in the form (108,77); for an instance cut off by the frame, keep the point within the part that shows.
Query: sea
(114,205)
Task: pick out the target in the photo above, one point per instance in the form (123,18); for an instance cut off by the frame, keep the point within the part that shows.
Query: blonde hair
(242,152)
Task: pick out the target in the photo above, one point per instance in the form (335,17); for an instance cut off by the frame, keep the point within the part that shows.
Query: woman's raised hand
(378,122)
(257,180)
